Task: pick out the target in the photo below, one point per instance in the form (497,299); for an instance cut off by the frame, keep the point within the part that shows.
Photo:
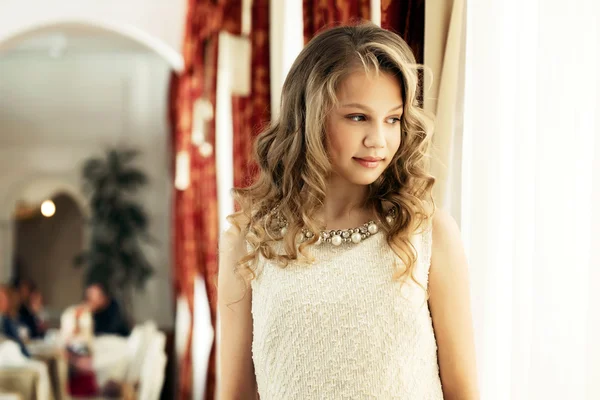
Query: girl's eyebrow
(366,108)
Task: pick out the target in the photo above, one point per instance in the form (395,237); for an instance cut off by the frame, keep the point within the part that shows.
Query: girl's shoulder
(446,240)
(443,228)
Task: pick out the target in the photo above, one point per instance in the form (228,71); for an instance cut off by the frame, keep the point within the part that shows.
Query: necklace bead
(336,236)
(336,240)
(373,228)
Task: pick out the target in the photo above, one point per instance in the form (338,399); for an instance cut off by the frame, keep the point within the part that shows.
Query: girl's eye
(393,120)
(356,118)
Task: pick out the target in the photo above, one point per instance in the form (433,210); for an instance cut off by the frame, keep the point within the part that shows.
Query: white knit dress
(341,328)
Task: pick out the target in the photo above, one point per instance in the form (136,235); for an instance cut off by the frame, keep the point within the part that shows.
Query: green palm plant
(118,224)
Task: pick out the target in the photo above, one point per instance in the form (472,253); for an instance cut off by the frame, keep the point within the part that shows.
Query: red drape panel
(319,14)
(251,114)
(195,210)
(407,19)
(184,252)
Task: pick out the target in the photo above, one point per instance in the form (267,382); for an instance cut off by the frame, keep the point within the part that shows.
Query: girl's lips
(368,162)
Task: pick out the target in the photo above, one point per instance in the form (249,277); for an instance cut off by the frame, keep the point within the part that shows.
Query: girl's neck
(345,206)
(336,217)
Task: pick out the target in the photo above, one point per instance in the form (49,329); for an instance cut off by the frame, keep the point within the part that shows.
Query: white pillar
(286,40)
(376,12)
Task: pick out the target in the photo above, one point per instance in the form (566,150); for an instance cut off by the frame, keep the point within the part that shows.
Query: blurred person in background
(31,314)
(107,314)
(76,330)
(24,287)
(8,325)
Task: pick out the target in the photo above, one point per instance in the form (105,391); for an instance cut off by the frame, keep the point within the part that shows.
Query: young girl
(338,279)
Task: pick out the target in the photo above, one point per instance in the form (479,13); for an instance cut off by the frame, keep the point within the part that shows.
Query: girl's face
(363,131)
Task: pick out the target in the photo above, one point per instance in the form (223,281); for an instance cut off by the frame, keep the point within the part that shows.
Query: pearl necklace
(338,236)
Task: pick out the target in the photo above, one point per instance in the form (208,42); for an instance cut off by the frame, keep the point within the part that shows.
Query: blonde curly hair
(293,161)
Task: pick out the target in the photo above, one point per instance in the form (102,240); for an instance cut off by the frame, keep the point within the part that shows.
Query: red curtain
(195,210)
(251,114)
(407,19)
(320,14)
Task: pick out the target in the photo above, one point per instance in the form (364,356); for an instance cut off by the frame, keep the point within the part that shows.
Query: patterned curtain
(320,14)
(195,209)
(252,114)
(195,214)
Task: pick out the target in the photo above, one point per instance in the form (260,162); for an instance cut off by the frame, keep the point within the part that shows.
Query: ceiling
(56,41)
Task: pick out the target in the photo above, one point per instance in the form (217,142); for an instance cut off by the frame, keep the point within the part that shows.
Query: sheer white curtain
(531,196)
(444,94)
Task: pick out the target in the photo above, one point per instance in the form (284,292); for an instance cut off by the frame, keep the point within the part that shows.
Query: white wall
(162,20)
(55,113)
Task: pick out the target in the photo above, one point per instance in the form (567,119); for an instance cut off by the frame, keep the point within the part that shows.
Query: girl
(338,278)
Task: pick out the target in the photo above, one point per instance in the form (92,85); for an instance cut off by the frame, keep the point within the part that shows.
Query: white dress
(342,328)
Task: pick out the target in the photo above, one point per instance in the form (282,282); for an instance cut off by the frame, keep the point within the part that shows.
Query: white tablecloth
(11,357)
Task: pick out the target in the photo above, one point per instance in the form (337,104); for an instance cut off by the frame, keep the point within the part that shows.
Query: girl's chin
(362,179)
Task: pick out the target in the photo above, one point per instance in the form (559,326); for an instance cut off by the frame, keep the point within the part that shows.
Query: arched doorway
(71,90)
(44,249)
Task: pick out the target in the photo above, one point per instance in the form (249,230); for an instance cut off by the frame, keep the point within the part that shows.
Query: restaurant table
(17,380)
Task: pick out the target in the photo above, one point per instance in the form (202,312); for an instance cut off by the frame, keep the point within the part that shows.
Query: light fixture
(48,208)
(58,46)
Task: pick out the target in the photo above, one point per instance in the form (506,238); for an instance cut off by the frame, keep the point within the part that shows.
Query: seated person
(30,315)
(76,327)
(23,288)
(8,326)
(107,315)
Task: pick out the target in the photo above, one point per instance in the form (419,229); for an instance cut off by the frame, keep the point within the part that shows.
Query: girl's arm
(449,303)
(236,369)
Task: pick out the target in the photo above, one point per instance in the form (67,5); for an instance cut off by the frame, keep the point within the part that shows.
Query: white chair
(153,368)
(110,359)
(137,346)
(135,351)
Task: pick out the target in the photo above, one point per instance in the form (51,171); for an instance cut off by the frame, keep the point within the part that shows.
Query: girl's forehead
(367,85)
